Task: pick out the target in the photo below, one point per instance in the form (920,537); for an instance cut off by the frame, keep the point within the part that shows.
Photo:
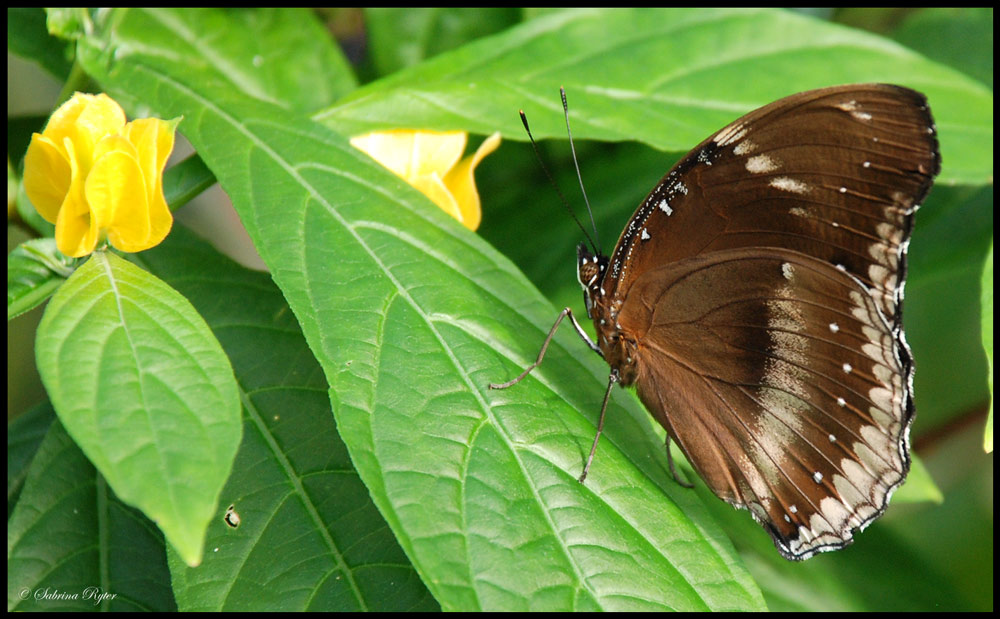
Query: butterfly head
(590,270)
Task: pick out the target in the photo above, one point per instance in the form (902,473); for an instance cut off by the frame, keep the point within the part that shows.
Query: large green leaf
(411,317)
(666,77)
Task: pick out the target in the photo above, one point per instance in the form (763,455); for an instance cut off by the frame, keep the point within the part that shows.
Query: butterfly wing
(835,173)
(783,383)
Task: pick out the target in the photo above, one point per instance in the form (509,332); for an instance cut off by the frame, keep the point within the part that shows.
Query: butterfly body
(754,300)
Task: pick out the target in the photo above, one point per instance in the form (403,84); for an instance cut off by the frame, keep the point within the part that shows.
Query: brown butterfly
(754,299)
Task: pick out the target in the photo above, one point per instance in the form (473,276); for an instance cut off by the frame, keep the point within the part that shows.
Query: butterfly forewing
(754,299)
(835,173)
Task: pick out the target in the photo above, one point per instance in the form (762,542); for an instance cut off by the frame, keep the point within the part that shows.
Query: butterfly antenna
(576,164)
(562,198)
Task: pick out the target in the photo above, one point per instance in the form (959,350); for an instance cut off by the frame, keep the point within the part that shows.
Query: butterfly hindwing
(781,380)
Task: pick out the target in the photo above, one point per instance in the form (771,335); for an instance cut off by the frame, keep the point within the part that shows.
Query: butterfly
(754,300)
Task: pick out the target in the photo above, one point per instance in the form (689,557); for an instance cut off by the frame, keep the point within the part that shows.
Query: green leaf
(960,37)
(942,312)
(35,269)
(919,485)
(28,37)
(402,36)
(411,317)
(71,544)
(283,56)
(185,180)
(146,392)
(24,435)
(667,77)
(68,23)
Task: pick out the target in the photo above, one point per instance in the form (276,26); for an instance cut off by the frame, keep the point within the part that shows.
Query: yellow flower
(429,161)
(97,177)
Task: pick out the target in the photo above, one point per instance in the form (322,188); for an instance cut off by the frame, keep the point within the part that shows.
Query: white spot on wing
(759,164)
(665,207)
(744,148)
(789,184)
(854,110)
(645,235)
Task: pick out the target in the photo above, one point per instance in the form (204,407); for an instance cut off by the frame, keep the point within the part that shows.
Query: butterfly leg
(541,353)
(673,471)
(612,379)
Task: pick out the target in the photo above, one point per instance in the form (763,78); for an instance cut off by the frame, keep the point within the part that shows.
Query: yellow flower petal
(99,112)
(462,183)
(412,154)
(429,161)
(47,176)
(76,231)
(436,153)
(85,119)
(117,194)
(434,188)
(154,140)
